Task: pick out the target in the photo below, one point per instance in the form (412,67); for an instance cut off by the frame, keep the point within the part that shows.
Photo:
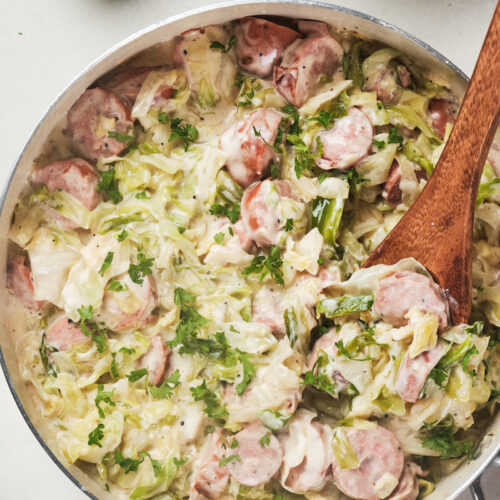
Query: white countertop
(45,43)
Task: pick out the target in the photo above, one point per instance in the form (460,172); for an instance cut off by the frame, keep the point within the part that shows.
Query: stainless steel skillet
(339,17)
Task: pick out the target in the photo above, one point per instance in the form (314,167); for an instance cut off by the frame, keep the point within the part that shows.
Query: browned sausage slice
(128,85)
(392,192)
(303,62)
(439,110)
(407,488)
(378,452)
(64,333)
(261,221)
(20,282)
(347,142)
(413,372)
(260,43)
(400,291)
(74,176)
(96,113)
(155,360)
(131,308)
(258,462)
(210,480)
(248,154)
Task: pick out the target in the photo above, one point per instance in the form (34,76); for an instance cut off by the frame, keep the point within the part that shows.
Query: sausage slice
(439,109)
(379,452)
(155,360)
(258,462)
(248,154)
(131,308)
(96,113)
(64,333)
(400,291)
(304,62)
(347,142)
(260,43)
(20,282)
(413,372)
(407,488)
(75,176)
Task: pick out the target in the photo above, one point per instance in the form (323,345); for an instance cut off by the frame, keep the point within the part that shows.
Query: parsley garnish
(219,46)
(317,377)
(107,184)
(394,136)
(137,272)
(232,212)
(126,350)
(439,376)
(379,144)
(293,119)
(185,133)
(265,440)
(239,80)
(263,266)
(231,458)
(120,136)
(323,117)
(441,439)
(275,148)
(162,117)
(122,236)
(91,329)
(116,286)
(107,262)
(166,389)
(289,225)
(96,435)
(103,397)
(114,368)
(127,464)
(304,159)
(136,375)
(219,238)
(212,406)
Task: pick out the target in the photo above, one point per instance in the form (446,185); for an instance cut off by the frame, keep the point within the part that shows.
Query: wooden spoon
(437,229)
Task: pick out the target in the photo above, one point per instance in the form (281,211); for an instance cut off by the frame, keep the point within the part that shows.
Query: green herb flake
(166,389)
(116,286)
(107,262)
(162,117)
(108,185)
(143,195)
(223,48)
(219,238)
(185,133)
(379,144)
(96,436)
(120,137)
(231,458)
(136,375)
(213,408)
(127,464)
(289,225)
(103,397)
(263,266)
(139,271)
(232,212)
(122,236)
(265,440)
(441,438)
(394,136)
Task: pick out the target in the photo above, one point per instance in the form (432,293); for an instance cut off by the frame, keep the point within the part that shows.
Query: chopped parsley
(122,236)
(318,378)
(305,160)
(96,436)
(263,266)
(394,136)
(185,133)
(379,144)
(136,375)
(108,185)
(120,136)
(275,148)
(138,272)
(345,351)
(91,329)
(441,438)
(265,440)
(166,389)
(116,286)
(231,458)
(232,212)
(127,464)
(239,79)
(126,350)
(213,408)
(289,225)
(162,117)
(439,376)
(223,48)
(107,262)
(293,119)
(103,397)
(323,117)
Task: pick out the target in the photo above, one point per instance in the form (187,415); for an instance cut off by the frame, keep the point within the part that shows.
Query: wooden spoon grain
(437,229)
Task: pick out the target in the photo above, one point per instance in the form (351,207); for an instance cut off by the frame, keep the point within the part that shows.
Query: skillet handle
(476,491)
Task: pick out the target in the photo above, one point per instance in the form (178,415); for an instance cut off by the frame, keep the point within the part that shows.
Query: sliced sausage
(20,282)
(378,452)
(64,333)
(210,480)
(308,456)
(155,360)
(74,176)
(402,290)
(413,372)
(267,308)
(439,109)
(347,142)
(128,85)
(407,488)
(257,463)
(243,236)
(260,43)
(302,65)
(392,192)
(131,308)
(404,76)
(96,113)
(248,155)
(259,212)
(326,343)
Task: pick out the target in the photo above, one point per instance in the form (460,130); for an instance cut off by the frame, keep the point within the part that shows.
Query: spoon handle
(437,229)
